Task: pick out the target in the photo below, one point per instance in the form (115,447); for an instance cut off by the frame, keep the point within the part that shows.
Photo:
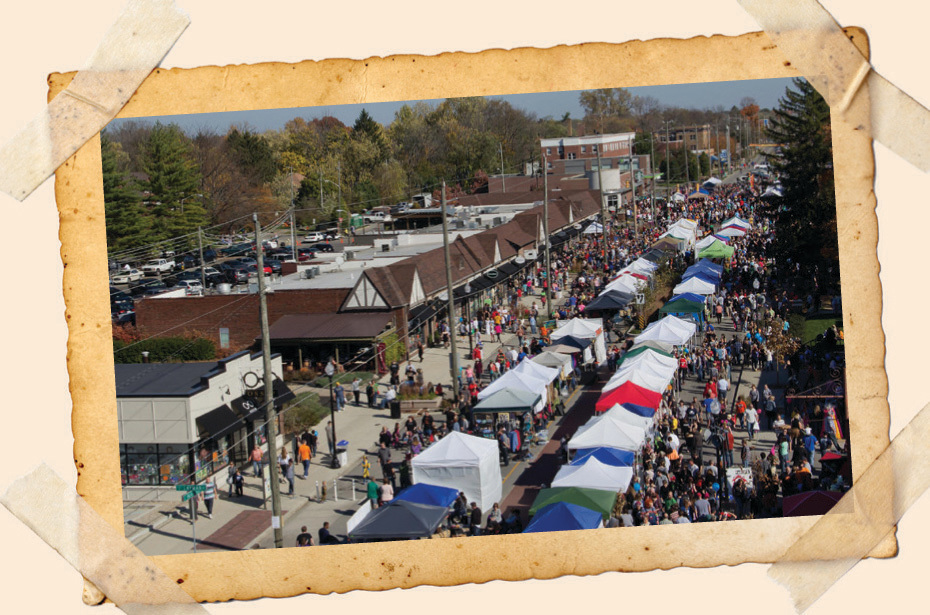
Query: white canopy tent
(512,380)
(647,375)
(670,330)
(694,285)
(736,221)
(653,344)
(679,233)
(593,474)
(586,329)
(703,243)
(731,231)
(467,463)
(593,229)
(605,431)
(619,413)
(713,181)
(677,197)
(656,359)
(536,370)
(561,362)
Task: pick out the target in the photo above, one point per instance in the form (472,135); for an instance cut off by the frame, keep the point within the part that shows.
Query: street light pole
(548,295)
(270,413)
(652,161)
(450,306)
(471,345)
(329,370)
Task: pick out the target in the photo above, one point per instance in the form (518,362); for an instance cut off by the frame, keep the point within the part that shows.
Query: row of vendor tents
(605,449)
(470,464)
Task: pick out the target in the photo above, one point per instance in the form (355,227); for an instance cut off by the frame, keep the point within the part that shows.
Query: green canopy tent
(683,306)
(718,249)
(592,499)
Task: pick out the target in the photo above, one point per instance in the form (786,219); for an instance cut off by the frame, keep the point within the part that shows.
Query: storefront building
(185,421)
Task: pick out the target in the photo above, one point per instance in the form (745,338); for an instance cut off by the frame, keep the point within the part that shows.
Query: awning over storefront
(329,327)
(217,422)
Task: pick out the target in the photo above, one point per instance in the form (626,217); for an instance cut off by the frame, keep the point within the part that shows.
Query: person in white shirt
(752,420)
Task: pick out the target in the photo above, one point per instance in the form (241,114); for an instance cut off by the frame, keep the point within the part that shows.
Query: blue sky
(554,104)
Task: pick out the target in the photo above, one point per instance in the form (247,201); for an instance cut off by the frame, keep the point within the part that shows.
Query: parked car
(143,288)
(188,261)
(236,249)
(193,287)
(274,264)
(323,247)
(234,273)
(158,265)
(127,277)
(123,312)
(253,269)
(119,295)
(245,260)
(312,237)
(209,255)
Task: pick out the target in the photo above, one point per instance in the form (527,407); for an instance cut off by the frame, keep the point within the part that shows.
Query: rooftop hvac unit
(350,256)
(385,247)
(530,255)
(309,272)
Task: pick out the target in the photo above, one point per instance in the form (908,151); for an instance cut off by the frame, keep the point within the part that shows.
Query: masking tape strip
(141,37)
(64,520)
(816,45)
(865,516)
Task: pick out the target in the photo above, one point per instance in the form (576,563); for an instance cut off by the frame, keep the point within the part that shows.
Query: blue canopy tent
(563,516)
(645,411)
(689,297)
(709,264)
(608,456)
(701,268)
(703,275)
(431,495)
(399,520)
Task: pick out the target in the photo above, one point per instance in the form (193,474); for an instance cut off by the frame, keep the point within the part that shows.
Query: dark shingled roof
(161,379)
(344,326)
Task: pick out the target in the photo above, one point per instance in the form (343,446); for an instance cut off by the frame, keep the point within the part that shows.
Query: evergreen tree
(126,224)
(173,183)
(806,243)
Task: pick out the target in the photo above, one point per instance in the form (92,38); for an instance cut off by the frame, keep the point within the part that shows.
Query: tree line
(160,182)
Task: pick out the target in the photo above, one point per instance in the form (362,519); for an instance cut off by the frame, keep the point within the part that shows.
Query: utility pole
(652,159)
(633,194)
(546,232)
(453,356)
(717,135)
(600,187)
(293,233)
(203,265)
(668,167)
(503,179)
(684,139)
(270,413)
(321,197)
(339,199)
(729,153)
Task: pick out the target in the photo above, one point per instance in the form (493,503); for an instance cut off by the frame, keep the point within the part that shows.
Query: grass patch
(809,328)
(304,414)
(346,379)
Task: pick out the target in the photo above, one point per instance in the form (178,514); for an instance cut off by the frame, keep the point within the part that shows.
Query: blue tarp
(608,456)
(431,495)
(563,516)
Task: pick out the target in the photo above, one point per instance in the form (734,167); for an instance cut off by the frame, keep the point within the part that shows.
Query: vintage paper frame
(251,574)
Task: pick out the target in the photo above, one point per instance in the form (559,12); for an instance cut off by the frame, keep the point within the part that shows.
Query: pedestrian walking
(256,458)
(238,482)
(357,390)
(303,455)
(340,393)
(208,496)
(289,474)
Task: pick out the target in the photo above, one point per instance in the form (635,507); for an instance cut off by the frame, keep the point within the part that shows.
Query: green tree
(806,244)
(253,154)
(173,182)
(127,226)
(602,105)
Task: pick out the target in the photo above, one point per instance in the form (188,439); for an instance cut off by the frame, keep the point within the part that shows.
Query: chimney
(145,356)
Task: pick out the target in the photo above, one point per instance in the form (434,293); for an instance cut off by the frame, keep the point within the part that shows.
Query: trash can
(395,409)
(341,455)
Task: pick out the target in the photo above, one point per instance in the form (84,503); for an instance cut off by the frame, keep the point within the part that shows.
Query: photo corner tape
(64,520)
(814,43)
(131,49)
